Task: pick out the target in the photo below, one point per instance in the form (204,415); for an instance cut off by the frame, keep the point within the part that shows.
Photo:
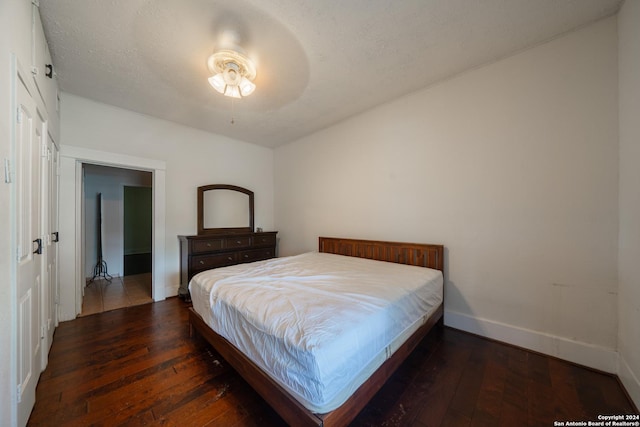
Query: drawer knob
(208,244)
(246,256)
(230,258)
(201,262)
(264,240)
(238,241)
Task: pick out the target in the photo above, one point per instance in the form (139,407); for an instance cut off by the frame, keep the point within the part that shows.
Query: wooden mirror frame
(201,191)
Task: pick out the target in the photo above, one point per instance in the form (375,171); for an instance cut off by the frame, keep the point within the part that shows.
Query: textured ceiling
(319,61)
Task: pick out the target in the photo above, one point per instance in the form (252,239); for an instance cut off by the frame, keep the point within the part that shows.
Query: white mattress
(319,324)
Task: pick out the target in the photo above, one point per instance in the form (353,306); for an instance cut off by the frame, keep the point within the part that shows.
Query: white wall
(512,166)
(192,158)
(629,238)
(110,182)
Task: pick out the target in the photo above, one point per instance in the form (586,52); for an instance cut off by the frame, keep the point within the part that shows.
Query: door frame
(70,221)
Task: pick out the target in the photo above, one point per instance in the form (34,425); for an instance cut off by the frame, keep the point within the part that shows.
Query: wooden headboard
(422,255)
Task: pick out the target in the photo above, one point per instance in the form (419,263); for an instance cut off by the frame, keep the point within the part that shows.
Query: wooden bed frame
(423,255)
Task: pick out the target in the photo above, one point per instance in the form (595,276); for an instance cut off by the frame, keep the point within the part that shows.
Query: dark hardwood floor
(138,366)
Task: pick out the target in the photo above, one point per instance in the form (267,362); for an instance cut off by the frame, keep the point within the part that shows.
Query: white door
(54,281)
(29,140)
(49,225)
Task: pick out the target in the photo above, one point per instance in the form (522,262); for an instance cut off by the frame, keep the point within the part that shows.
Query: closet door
(42,68)
(52,258)
(50,237)
(29,146)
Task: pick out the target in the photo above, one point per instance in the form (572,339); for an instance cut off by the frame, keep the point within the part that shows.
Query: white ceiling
(319,61)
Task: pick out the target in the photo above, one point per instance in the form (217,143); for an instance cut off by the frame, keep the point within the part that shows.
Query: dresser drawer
(264,240)
(256,255)
(237,242)
(206,262)
(207,245)
(206,252)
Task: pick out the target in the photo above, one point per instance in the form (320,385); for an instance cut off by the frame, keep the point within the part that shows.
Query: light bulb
(232,91)
(217,82)
(246,86)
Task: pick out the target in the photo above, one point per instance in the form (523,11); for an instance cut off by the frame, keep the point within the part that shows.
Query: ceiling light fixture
(233,73)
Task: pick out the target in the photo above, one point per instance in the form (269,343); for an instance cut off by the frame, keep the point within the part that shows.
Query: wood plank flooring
(138,366)
(122,291)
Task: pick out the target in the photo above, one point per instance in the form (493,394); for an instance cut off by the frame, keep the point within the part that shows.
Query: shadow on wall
(452,293)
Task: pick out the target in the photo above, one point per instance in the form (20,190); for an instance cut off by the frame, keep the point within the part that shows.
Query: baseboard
(630,381)
(592,356)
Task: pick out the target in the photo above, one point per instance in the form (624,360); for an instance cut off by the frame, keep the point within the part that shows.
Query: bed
(296,371)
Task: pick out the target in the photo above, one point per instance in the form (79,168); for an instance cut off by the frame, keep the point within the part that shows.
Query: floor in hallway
(101,295)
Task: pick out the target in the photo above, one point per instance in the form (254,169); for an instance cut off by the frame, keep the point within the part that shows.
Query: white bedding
(317,323)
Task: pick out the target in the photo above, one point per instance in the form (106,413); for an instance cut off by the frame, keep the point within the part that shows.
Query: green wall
(137,220)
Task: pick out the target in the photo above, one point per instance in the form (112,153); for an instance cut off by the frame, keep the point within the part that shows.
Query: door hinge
(7,171)
(19,116)
(18,252)
(19,394)
(42,332)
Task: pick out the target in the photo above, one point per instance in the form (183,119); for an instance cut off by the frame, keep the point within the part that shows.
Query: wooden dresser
(204,252)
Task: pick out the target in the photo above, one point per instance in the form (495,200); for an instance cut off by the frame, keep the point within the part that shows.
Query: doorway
(108,247)
(71,250)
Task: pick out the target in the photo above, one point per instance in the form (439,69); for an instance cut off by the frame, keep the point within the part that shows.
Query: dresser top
(224,235)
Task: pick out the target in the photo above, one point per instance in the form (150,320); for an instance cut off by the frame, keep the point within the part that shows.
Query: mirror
(224,208)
